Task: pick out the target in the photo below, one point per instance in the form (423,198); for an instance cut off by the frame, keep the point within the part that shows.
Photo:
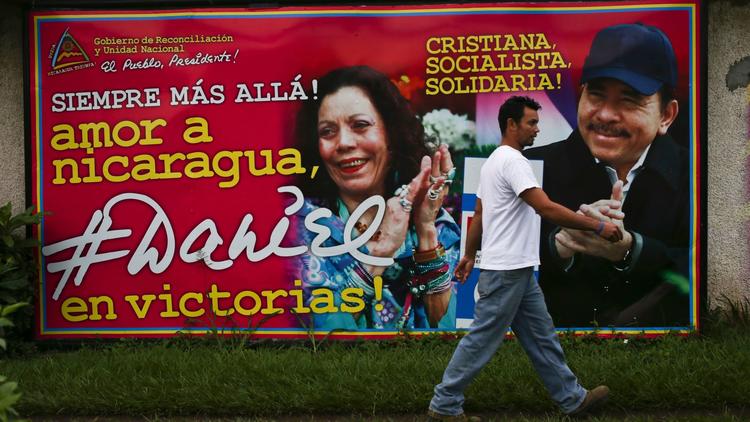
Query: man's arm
(564,217)
(567,242)
(473,243)
(474,236)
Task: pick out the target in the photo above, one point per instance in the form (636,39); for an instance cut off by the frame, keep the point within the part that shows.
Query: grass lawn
(607,416)
(703,377)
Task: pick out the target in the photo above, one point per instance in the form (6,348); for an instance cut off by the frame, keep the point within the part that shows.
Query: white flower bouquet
(443,127)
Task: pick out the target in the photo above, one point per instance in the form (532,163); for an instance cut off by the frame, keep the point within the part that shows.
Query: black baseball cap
(636,54)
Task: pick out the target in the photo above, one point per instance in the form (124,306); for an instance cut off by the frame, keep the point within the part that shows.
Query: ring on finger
(449,175)
(433,194)
(402,192)
(405,204)
(434,179)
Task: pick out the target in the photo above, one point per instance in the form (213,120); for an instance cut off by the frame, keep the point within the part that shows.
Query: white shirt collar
(637,167)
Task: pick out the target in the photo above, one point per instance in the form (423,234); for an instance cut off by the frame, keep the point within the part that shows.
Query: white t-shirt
(510,227)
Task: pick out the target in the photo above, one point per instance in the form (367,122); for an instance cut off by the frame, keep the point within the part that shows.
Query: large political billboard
(297,170)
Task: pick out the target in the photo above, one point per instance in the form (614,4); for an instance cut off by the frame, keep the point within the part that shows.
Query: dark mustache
(608,130)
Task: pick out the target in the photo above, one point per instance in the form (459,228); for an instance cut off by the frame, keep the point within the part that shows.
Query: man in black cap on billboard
(621,151)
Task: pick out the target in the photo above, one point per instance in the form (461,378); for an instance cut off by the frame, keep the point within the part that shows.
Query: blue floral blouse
(335,273)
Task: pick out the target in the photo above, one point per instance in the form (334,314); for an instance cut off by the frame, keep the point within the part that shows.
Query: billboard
(238,170)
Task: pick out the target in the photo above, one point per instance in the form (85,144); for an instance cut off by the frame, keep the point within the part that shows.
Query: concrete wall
(728,135)
(12,165)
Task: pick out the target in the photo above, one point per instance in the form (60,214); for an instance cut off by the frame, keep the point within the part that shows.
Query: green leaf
(7,388)
(24,220)
(5,213)
(5,322)
(8,240)
(27,243)
(9,400)
(4,346)
(7,267)
(7,310)
(14,283)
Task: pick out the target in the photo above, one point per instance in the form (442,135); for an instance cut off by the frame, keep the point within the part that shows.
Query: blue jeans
(508,298)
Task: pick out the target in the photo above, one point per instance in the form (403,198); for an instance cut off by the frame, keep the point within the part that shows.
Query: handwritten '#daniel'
(98,232)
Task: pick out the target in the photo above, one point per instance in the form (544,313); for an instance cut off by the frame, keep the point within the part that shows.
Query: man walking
(506,224)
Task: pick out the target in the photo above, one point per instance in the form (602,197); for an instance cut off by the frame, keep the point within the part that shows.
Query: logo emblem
(69,55)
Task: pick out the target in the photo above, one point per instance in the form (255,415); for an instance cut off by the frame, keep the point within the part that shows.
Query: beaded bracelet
(429,266)
(425,277)
(425,261)
(436,285)
(440,284)
(421,257)
(433,281)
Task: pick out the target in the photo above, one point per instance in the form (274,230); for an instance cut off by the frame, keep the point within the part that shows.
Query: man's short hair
(514,108)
